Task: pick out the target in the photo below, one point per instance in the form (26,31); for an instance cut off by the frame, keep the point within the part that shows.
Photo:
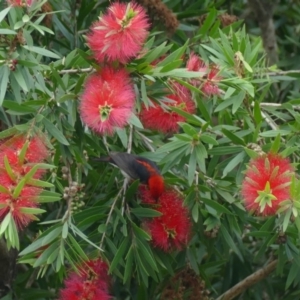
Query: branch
(68,212)
(71,71)
(91,69)
(249,281)
(110,213)
(147,141)
(278,73)
(269,120)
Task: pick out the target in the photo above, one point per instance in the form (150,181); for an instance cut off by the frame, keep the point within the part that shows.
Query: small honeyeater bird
(137,167)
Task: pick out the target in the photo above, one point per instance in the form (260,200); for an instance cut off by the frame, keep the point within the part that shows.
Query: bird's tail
(102,158)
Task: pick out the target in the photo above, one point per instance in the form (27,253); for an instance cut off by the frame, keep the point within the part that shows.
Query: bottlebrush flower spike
(91,282)
(20,2)
(210,86)
(195,63)
(266,183)
(156,118)
(15,206)
(107,101)
(171,230)
(120,33)
(36,152)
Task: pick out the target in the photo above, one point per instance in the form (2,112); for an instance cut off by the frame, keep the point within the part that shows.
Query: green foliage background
(205,160)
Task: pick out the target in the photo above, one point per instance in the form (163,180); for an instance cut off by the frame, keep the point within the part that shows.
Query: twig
(125,183)
(249,281)
(105,143)
(109,215)
(129,144)
(70,199)
(90,69)
(278,73)
(267,118)
(266,104)
(147,141)
(72,71)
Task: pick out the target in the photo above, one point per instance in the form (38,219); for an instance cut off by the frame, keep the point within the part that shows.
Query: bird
(137,167)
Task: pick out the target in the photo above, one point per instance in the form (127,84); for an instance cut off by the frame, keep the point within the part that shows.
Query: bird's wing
(126,162)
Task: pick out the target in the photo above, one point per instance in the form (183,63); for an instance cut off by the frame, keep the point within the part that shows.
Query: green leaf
(7,31)
(52,235)
(55,132)
(229,241)
(13,235)
(171,66)
(8,169)
(176,55)
(18,188)
(40,183)
(208,139)
(102,228)
(128,265)
(209,21)
(251,153)
(4,190)
(238,101)
(293,274)
(131,191)
(142,212)
(4,75)
(22,154)
(146,253)
(257,113)
(47,196)
(65,230)
(143,235)
(4,12)
(195,212)
(276,144)
(8,132)
(156,52)
(135,121)
(20,79)
(119,255)
(43,257)
(77,247)
(217,206)
(234,138)
(225,150)
(188,129)
(41,51)
(273,133)
(32,211)
(233,163)
(286,220)
(192,168)
(4,224)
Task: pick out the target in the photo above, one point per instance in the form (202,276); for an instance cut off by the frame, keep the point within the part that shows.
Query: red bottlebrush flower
(172,229)
(26,199)
(266,183)
(145,195)
(195,63)
(120,33)
(156,118)
(36,152)
(107,101)
(20,2)
(90,283)
(5,180)
(210,87)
